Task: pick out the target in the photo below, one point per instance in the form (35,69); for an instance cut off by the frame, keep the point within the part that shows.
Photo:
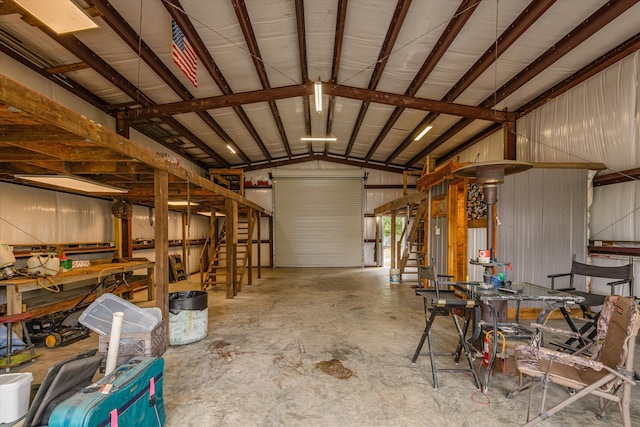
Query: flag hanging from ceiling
(183,54)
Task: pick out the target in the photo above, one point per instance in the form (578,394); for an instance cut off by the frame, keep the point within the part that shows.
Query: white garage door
(318,218)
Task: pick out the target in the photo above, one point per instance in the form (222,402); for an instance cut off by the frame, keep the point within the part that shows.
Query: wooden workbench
(97,271)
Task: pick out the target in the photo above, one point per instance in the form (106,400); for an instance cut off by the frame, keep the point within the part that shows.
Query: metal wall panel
(543,222)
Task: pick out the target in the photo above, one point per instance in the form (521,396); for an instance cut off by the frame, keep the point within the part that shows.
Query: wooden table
(98,270)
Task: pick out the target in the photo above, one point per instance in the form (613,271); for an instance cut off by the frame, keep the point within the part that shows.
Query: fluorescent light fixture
(181,203)
(73,183)
(208,213)
(319,139)
(423,133)
(317,92)
(62,16)
(231,149)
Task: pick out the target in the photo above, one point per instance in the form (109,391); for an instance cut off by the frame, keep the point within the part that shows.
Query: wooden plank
(28,101)
(161,236)
(231,236)
(570,165)
(400,203)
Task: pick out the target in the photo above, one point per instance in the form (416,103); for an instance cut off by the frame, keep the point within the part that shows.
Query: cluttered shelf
(68,288)
(24,250)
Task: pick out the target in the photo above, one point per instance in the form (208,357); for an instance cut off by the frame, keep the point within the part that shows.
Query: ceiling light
(231,149)
(208,213)
(181,203)
(423,133)
(317,92)
(73,183)
(319,139)
(62,16)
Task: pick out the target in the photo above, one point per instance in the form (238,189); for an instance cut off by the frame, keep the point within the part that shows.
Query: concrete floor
(258,364)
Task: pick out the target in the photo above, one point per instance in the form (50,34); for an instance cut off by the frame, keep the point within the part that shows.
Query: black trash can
(188,317)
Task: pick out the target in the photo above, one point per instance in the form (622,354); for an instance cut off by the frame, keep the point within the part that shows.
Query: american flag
(183,54)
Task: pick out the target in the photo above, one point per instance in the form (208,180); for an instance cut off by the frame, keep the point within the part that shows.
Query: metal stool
(8,321)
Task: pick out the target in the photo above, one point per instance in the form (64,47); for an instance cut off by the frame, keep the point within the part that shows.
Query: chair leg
(465,346)
(434,370)
(420,344)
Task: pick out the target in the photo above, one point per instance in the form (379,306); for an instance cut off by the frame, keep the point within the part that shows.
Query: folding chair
(607,373)
(444,303)
(623,275)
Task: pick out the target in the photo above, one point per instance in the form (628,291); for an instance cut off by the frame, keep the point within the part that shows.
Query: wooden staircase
(412,250)
(216,272)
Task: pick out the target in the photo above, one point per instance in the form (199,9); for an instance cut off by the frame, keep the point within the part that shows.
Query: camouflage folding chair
(607,373)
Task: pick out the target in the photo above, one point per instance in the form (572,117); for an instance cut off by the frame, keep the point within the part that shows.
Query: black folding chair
(444,303)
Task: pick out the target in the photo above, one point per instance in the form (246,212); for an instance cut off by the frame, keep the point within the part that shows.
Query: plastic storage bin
(99,315)
(15,390)
(142,344)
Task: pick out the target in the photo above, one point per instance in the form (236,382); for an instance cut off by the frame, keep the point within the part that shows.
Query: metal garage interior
(407,91)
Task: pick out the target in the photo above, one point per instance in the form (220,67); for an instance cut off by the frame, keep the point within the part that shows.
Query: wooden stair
(216,272)
(414,245)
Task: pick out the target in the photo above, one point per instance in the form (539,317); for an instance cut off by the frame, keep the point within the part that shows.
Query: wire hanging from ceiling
(293,80)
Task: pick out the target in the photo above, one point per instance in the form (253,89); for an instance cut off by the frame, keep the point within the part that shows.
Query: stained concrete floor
(258,365)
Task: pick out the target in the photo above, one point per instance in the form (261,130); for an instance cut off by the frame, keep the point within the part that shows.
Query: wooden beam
(231,237)
(400,203)
(27,100)
(161,236)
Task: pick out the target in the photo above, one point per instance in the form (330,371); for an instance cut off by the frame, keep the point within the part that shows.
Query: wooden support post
(127,237)
(185,239)
(271,241)
(250,221)
(117,231)
(393,239)
(377,246)
(231,231)
(161,236)
(259,244)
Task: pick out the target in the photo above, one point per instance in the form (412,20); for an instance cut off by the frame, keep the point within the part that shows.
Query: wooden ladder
(176,269)
(216,272)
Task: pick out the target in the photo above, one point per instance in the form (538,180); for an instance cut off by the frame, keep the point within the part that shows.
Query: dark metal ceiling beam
(458,21)
(120,26)
(598,20)
(184,22)
(616,54)
(79,49)
(522,23)
(306,90)
(341,19)
(250,38)
(327,158)
(400,13)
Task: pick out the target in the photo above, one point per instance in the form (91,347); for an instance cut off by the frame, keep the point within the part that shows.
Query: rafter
(400,13)
(518,27)
(599,19)
(250,38)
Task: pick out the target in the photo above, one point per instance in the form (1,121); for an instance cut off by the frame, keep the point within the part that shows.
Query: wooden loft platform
(40,137)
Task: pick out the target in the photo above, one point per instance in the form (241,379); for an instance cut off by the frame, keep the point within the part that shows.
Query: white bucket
(15,390)
(394,276)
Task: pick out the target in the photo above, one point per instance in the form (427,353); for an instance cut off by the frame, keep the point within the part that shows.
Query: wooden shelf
(18,288)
